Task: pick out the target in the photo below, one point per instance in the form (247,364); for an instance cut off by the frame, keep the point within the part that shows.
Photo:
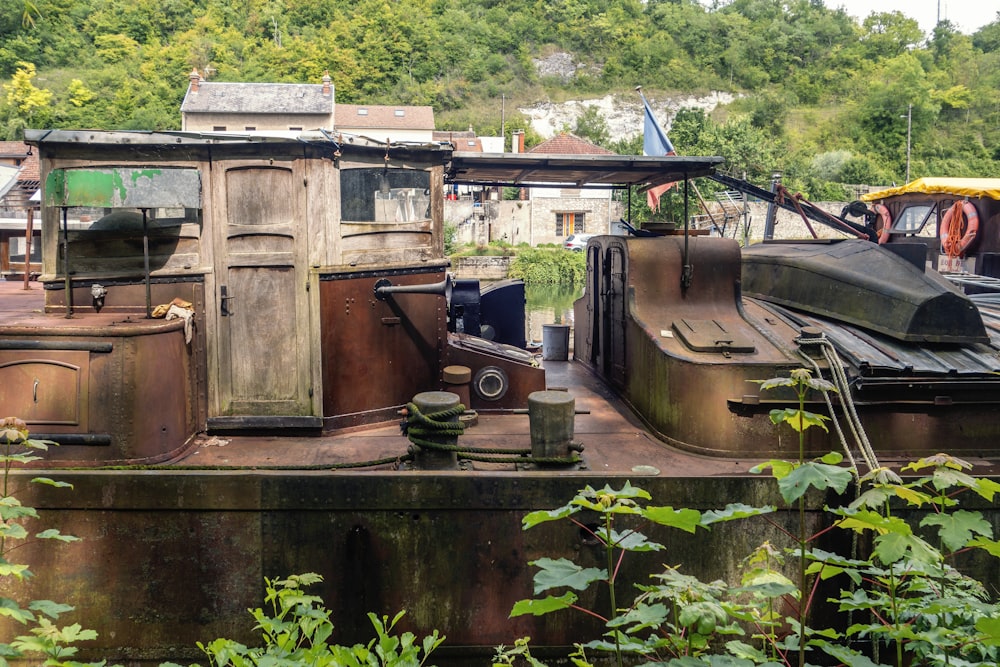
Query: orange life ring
(959,228)
(883,223)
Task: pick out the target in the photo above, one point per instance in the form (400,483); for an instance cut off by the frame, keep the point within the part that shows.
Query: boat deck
(615,442)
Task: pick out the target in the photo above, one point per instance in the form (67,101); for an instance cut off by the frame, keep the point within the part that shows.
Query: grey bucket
(555,342)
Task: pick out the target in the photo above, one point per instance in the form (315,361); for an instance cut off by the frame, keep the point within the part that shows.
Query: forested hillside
(824,99)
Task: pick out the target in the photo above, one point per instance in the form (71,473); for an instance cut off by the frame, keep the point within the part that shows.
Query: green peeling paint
(124,187)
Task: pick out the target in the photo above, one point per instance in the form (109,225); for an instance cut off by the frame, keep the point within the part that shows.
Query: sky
(967,15)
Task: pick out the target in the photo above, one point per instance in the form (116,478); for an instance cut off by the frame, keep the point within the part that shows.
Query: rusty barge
(312,302)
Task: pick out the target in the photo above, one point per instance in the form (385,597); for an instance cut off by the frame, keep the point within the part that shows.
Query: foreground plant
(295,630)
(45,638)
(671,619)
(902,599)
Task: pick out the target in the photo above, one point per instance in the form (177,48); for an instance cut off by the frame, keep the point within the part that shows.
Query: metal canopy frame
(582,171)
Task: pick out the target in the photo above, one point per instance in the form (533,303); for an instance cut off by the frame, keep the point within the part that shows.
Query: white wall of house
(281,123)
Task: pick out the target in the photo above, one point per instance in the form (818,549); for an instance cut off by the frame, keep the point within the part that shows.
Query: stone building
(540,215)
(291,108)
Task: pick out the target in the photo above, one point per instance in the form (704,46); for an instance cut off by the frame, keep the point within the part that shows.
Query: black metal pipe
(145,260)
(65,249)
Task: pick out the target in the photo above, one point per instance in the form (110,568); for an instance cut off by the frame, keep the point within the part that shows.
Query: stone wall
(483,268)
(527,221)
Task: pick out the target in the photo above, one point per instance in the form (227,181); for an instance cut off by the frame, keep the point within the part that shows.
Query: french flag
(654,142)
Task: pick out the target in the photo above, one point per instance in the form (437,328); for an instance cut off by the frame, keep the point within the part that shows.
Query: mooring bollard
(456,379)
(428,457)
(551,414)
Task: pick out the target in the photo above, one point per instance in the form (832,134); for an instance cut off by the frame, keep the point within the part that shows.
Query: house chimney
(327,88)
(195,80)
(517,141)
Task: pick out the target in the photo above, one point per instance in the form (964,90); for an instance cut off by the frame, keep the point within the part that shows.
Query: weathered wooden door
(262,301)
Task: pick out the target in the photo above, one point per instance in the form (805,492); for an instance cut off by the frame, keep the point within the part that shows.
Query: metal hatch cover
(711,336)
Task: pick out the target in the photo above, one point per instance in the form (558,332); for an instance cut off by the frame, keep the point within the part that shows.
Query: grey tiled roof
(263,98)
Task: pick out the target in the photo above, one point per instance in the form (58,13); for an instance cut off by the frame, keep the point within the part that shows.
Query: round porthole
(490,383)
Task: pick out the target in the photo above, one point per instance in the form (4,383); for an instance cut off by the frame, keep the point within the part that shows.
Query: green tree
(25,103)
(890,34)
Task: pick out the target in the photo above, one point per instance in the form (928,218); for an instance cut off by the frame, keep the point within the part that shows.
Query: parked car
(577,242)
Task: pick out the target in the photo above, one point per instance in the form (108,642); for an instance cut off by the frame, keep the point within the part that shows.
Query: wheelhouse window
(913,220)
(116,220)
(570,223)
(385,195)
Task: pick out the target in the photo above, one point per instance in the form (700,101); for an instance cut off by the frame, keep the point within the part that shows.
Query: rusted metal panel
(111,387)
(378,353)
(124,187)
(44,387)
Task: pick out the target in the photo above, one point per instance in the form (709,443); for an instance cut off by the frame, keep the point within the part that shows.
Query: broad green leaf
(774,383)
(629,540)
(11,509)
(986,488)
(847,656)
(947,478)
(912,496)
(779,469)
(937,460)
(643,616)
(49,608)
(10,609)
(562,572)
(957,528)
(990,546)
(773,588)
(544,606)
(685,519)
(53,534)
(892,547)
(831,558)
(811,474)
(832,458)
(52,482)
(799,420)
(76,633)
(990,627)
(541,516)
(13,531)
(14,569)
(862,519)
(734,511)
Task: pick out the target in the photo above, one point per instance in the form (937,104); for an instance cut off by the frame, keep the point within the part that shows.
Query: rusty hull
(176,555)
